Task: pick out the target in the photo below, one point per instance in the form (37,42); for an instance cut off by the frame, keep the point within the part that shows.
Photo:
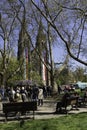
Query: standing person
(23,94)
(17,95)
(59,89)
(29,92)
(12,95)
(40,97)
(35,92)
(85,96)
(45,91)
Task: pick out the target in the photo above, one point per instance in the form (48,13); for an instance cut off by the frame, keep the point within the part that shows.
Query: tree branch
(81,39)
(60,35)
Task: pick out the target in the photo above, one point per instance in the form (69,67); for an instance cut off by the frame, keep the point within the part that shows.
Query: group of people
(27,93)
(72,98)
(68,99)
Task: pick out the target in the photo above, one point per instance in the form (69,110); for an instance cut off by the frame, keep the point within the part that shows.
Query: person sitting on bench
(62,103)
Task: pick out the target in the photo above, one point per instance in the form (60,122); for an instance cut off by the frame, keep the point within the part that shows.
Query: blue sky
(58,54)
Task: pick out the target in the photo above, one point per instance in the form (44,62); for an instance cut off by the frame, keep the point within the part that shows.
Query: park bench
(74,102)
(61,106)
(82,101)
(21,107)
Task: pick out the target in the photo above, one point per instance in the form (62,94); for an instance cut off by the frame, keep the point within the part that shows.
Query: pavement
(46,111)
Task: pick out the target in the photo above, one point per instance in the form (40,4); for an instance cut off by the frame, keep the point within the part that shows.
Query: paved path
(46,111)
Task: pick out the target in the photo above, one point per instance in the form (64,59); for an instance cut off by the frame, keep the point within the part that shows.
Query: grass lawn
(67,122)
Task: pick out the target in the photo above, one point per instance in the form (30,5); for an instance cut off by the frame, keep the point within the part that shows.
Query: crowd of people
(27,93)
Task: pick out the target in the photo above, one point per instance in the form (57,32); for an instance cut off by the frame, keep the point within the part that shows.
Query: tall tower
(41,46)
(24,50)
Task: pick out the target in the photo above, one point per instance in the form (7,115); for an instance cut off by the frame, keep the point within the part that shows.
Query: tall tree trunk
(51,59)
(4,64)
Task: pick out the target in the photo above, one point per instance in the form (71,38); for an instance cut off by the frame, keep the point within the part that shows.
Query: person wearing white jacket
(40,97)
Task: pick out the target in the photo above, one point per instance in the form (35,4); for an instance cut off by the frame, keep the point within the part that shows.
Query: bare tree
(6,28)
(8,34)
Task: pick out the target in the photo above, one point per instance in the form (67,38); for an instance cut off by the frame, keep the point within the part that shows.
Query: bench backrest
(20,106)
(72,100)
